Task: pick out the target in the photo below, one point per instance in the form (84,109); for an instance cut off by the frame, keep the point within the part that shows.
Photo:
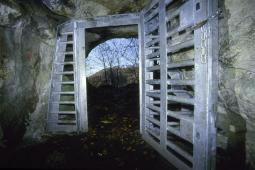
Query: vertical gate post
(213,78)
(141,73)
(206,60)
(163,74)
(82,86)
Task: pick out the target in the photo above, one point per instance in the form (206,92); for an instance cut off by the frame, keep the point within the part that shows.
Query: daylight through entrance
(112,71)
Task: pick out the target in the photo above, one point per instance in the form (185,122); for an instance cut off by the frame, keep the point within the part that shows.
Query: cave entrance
(178,42)
(112,69)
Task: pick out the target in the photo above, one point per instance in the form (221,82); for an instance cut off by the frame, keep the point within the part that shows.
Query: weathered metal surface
(82,84)
(163,74)
(182,109)
(110,21)
(141,74)
(207,57)
(62,113)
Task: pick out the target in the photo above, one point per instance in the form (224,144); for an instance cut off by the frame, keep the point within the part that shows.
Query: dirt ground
(112,142)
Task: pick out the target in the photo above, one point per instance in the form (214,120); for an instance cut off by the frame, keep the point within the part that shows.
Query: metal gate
(67,110)
(178,80)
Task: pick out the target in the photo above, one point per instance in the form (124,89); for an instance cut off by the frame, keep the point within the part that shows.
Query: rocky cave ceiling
(79,9)
(76,9)
(59,11)
(89,8)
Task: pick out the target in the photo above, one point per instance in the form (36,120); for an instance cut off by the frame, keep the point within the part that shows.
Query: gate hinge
(218,13)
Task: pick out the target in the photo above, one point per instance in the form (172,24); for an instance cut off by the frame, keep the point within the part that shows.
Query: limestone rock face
(89,8)
(65,8)
(237,72)
(7,14)
(27,44)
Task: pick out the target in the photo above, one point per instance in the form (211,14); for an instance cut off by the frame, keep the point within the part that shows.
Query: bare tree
(116,54)
(102,58)
(133,58)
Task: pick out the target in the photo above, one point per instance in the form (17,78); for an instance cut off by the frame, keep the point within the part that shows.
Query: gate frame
(80,38)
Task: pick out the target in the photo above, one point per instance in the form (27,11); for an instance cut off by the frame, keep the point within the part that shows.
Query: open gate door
(178,80)
(67,101)
(68,95)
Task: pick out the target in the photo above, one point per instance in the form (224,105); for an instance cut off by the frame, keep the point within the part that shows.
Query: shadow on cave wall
(229,122)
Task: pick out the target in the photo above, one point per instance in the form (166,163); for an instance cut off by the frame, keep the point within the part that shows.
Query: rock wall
(89,8)
(236,109)
(27,42)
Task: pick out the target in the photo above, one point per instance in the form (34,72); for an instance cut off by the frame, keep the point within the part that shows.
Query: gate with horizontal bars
(178,40)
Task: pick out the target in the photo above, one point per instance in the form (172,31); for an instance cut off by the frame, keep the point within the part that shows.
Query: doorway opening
(113,83)
(112,69)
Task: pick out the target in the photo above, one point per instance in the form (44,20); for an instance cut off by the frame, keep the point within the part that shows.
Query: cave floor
(112,142)
(105,146)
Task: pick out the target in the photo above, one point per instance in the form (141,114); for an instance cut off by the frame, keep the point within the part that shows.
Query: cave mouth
(112,71)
